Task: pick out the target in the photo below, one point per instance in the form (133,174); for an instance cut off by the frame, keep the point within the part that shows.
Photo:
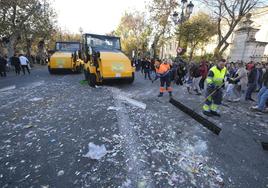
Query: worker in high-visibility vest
(215,82)
(163,71)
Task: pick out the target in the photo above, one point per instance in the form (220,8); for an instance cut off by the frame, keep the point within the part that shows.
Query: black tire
(86,75)
(131,80)
(91,79)
(50,70)
(78,69)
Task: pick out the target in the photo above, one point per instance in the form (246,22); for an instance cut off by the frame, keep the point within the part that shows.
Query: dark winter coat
(260,75)
(194,71)
(3,63)
(252,76)
(152,65)
(15,61)
(265,78)
(147,65)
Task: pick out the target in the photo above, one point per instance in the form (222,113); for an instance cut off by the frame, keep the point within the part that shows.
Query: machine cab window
(67,46)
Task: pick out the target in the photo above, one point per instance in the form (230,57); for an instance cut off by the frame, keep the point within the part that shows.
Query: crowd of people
(19,62)
(232,81)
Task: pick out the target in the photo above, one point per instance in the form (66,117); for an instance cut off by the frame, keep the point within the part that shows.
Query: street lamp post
(186,11)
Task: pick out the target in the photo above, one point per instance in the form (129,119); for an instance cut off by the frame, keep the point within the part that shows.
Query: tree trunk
(192,52)
(2,48)
(11,46)
(41,54)
(156,39)
(220,49)
(191,55)
(224,48)
(29,49)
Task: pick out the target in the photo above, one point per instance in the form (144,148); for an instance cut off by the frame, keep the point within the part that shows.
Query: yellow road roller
(104,60)
(66,57)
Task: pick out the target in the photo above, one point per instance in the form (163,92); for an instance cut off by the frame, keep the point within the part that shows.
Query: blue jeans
(262,97)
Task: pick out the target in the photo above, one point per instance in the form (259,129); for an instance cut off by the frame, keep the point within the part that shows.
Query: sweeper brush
(200,119)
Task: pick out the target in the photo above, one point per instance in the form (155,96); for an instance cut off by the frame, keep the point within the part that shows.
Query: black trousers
(202,83)
(25,67)
(3,71)
(147,72)
(17,70)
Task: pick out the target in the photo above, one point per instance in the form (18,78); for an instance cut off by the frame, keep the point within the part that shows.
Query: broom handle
(207,97)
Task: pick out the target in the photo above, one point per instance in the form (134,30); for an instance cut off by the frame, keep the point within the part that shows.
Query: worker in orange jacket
(163,71)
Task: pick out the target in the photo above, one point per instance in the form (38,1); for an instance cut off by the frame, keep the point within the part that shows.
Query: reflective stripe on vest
(218,77)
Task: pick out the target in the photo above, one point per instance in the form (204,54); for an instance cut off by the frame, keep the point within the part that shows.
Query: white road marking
(7,88)
(132,101)
(138,173)
(36,99)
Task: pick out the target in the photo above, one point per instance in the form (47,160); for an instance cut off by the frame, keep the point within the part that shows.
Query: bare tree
(228,13)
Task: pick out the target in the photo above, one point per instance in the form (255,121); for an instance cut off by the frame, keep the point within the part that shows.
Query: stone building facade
(248,41)
(245,47)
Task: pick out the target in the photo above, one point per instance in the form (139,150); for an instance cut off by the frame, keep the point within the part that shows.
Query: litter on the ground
(113,108)
(133,102)
(35,99)
(83,82)
(95,151)
(60,173)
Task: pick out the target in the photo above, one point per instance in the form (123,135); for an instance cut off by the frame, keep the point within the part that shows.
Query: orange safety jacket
(163,69)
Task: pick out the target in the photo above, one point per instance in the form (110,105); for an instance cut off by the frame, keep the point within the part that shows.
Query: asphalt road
(47,122)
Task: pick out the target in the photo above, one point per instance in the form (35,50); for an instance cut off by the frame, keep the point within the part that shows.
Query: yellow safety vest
(218,77)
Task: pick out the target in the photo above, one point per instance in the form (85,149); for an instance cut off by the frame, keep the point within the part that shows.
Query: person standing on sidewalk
(153,67)
(242,81)
(259,81)
(253,77)
(263,93)
(24,64)
(142,65)
(147,69)
(195,73)
(215,81)
(3,64)
(203,68)
(15,61)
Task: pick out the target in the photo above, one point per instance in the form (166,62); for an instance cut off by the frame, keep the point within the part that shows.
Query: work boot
(160,95)
(207,113)
(214,113)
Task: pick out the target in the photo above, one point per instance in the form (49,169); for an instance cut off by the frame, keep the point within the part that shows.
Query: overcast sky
(94,16)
